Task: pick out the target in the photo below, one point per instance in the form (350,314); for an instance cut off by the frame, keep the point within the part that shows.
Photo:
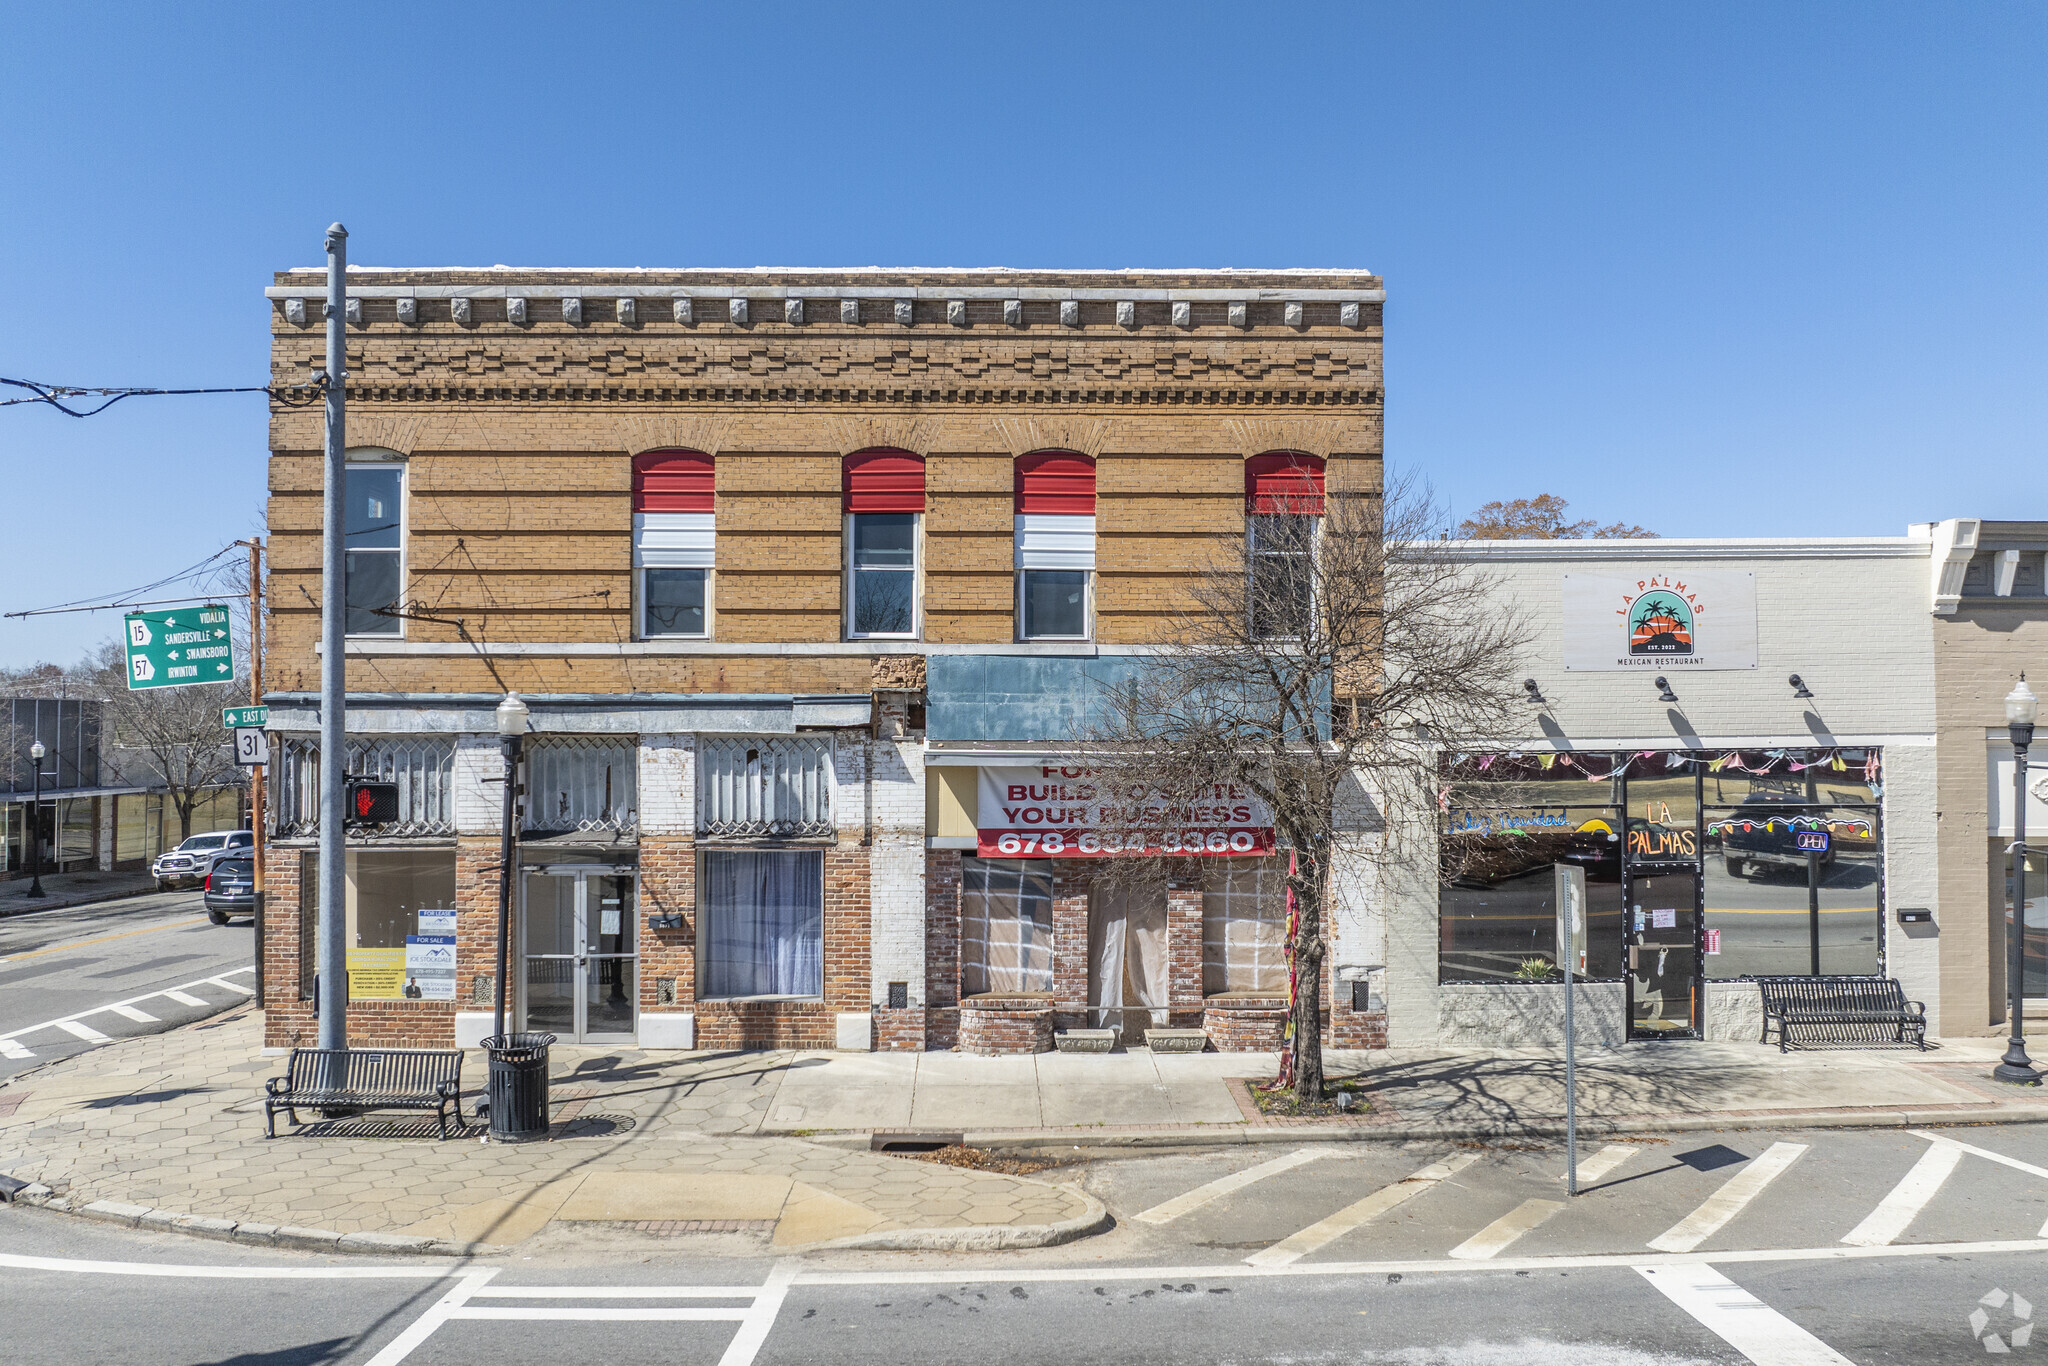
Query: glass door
(581,979)
(1663,928)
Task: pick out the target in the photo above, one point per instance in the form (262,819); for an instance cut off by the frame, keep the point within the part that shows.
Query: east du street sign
(179,648)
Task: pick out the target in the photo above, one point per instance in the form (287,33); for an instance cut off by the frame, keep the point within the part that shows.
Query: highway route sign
(252,747)
(179,648)
(237,718)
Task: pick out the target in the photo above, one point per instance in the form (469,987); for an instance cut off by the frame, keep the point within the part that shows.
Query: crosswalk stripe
(231,986)
(1908,1198)
(83,1031)
(10,1049)
(2013,1162)
(1193,1200)
(1605,1161)
(1494,1239)
(131,1013)
(1729,1201)
(186,998)
(1326,1231)
(1739,1318)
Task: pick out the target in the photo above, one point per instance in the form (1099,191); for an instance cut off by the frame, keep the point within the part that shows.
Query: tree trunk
(184,806)
(1310,886)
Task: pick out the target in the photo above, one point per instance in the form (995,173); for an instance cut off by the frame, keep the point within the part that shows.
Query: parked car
(231,888)
(190,862)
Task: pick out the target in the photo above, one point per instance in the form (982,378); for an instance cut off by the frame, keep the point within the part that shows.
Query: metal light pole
(512,715)
(2015,1067)
(35,823)
(333,959)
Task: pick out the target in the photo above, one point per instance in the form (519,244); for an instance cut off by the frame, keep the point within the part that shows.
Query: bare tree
(1541,518)
(1317,657)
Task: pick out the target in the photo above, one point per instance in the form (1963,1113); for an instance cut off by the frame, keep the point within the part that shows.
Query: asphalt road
(1938,1228)
(110,970)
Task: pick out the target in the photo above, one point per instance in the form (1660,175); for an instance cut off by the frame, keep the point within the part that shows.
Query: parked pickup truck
(191,861)
(1770,843)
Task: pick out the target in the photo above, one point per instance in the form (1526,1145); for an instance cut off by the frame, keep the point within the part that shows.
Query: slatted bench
(1841,1010)
(366,1079)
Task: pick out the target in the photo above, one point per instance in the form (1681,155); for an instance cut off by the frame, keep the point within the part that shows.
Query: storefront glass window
(2034,937)
(386,889)
(1497,908)
(1244,930)
(1005,927)
(1767,896)
(762,922)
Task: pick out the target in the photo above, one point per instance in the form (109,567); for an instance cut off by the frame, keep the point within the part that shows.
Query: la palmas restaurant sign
(1660,620)
(1046,812)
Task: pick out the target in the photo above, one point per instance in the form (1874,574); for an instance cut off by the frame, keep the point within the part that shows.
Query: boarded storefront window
(1005,927)
(1244,930)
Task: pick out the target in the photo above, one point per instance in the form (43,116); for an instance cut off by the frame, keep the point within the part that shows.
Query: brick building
(795,569)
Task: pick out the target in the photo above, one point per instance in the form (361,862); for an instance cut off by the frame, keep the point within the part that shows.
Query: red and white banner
(1069,813)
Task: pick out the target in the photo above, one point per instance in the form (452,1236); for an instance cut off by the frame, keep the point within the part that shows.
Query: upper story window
(884,502)
(1283,494)
(1055,546)
(373,532)
(674,542)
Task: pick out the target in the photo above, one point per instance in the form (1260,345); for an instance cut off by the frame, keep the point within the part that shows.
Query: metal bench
(1841,1010)
(366,1079)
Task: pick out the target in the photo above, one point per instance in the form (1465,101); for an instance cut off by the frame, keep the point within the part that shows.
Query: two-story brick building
(802,574)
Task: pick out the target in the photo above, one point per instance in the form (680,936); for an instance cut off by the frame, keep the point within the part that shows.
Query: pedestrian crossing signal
(372,803)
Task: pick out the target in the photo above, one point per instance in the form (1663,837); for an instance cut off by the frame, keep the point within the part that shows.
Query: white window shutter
(674,540)
(1055,541)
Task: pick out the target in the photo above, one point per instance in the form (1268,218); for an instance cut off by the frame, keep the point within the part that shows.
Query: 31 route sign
(179,648)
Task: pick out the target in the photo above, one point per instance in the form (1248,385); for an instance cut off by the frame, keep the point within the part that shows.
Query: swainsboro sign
(178,648)
(1069,813)
(1659,620)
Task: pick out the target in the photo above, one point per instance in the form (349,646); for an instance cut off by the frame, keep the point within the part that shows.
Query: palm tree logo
(1660,624)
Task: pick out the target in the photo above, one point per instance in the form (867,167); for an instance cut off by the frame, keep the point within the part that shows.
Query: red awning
(884,481)
(1056,482)
(1284,481)
(673,481)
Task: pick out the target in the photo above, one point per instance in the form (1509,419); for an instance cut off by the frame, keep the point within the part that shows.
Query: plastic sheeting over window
(1244,930)
(765,786)
(1005,927)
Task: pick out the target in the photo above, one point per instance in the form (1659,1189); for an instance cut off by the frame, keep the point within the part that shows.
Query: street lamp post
(35,823)
(512,715)
(2015,1067)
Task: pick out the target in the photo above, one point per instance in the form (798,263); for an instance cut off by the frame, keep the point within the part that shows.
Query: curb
(1094,1218)
(1218,1136)
(256,1234)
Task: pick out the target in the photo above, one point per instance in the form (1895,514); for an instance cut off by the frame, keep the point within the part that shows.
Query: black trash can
(518,1088)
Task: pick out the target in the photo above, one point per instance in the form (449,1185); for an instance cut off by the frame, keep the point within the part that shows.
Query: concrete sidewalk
(70,889)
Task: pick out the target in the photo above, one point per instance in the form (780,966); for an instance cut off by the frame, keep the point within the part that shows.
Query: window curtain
(764,913)
(1127,956)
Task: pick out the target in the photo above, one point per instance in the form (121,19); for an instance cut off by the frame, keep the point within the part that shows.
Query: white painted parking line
(1729,1201)
(10,1049)
(1496,1237)
(1908,1198)
(1605,1161)
(231,986)
(186,998)
(1224,1185)
(1739,1318)
(2013,1162)
(82,1031)
(1326,1231)
(131,1013)
(637,1314)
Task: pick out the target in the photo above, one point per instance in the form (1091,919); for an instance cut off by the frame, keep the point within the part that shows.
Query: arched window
(1055,545)
(675,541)
(883,495)
(1283,498)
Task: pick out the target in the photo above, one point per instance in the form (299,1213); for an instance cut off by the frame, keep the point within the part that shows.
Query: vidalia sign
(1660,620)
(1068,813)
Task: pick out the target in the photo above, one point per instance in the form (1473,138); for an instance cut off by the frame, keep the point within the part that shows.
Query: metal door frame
(1680,868)
(580,1008)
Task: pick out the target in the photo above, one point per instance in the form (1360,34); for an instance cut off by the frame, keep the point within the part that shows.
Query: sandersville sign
(1662,621)
(1068,813)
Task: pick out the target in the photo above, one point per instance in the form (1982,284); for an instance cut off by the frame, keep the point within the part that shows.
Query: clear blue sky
(1729,269)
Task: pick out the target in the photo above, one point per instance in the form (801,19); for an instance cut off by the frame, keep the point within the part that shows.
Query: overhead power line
(294,395)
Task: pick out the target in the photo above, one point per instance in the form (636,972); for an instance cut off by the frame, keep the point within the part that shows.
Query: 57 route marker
(179,648)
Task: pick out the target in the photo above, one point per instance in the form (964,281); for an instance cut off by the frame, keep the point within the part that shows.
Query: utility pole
(333,959)
(255,544)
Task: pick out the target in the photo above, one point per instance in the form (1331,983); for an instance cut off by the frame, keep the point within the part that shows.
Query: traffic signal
(371,803)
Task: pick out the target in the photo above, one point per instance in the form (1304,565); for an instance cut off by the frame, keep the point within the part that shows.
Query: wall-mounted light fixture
(1664,693)
(1535,693)
(1799,688)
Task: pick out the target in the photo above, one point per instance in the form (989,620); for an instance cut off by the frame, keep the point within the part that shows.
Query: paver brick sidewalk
(170,1125)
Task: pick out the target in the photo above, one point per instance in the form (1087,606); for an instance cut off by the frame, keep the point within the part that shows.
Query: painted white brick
(479,804)
(667,784)
(896,871)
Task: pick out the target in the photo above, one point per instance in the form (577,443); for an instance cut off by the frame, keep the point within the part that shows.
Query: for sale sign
(1045,812)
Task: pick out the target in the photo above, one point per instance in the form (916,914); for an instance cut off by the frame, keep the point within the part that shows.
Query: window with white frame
(1283,509)
(1055,546)
(373,532)
(1005,927)
(674,543)
(884,505)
